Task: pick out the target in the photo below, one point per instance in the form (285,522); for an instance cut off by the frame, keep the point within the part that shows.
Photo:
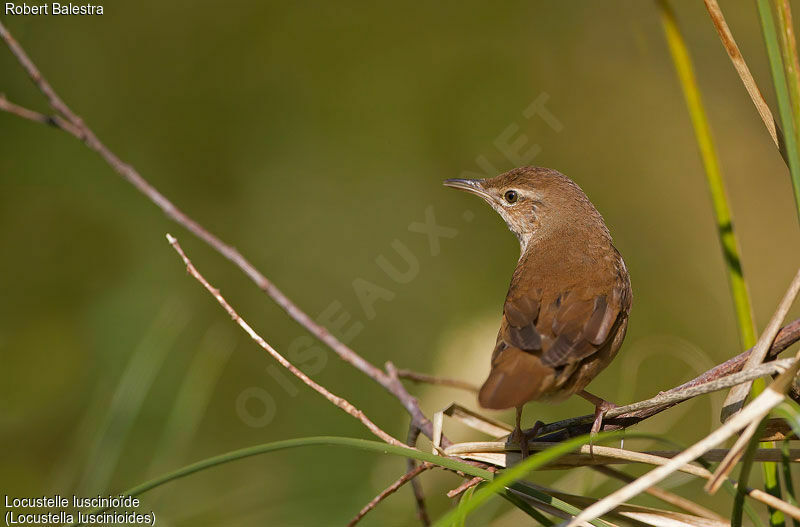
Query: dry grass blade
(652,516)
(740,65)
(755,411)
(642,515)
(584,456)
(549,509)
(476,421)
(634,514)
(738,394)
(508,454)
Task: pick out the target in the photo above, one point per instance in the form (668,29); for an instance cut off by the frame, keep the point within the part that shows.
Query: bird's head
(536,201)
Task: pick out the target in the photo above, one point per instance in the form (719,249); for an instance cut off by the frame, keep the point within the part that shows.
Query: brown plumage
(566,311)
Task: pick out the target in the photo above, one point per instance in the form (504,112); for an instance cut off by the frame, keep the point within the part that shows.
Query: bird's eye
(511,196)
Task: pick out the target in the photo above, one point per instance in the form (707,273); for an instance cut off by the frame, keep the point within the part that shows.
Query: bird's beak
(473,186)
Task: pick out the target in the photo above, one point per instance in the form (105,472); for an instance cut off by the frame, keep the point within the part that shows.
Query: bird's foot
(521,437)
(600,411)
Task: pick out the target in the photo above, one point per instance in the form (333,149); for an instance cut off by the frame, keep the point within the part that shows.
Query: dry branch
(464,486)
(670,398)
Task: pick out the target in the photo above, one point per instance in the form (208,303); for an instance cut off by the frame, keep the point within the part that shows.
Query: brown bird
(566,311)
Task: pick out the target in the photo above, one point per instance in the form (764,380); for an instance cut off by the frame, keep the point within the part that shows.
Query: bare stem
(464,486)
(416,486)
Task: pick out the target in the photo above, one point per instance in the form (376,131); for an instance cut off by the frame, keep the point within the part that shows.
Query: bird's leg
(521,437)
(518,436)
(601,406)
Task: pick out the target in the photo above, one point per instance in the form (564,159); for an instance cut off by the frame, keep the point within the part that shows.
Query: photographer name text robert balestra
(52,8)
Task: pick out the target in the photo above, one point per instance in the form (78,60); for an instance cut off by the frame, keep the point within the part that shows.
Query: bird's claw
(600,412)
(521,437)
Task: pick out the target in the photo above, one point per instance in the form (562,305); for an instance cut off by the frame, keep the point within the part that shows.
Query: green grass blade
(526,507)
(788,484)
(744,476)
(129,396)
(511,475)
(770,470)
(730,247)
(197,388)
(702,130)
(789,124)
(789,411)
(790,60)
(534,493)
(462,518)
(361,444)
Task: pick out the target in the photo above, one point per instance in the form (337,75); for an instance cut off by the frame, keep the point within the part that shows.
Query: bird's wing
(543,339)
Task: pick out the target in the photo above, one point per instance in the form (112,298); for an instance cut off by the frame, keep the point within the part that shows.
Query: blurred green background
(310,136)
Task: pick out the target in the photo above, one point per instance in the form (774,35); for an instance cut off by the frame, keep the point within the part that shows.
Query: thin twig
(416,486)
(32,115)
(335,399)
(464,486)
(391,489)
